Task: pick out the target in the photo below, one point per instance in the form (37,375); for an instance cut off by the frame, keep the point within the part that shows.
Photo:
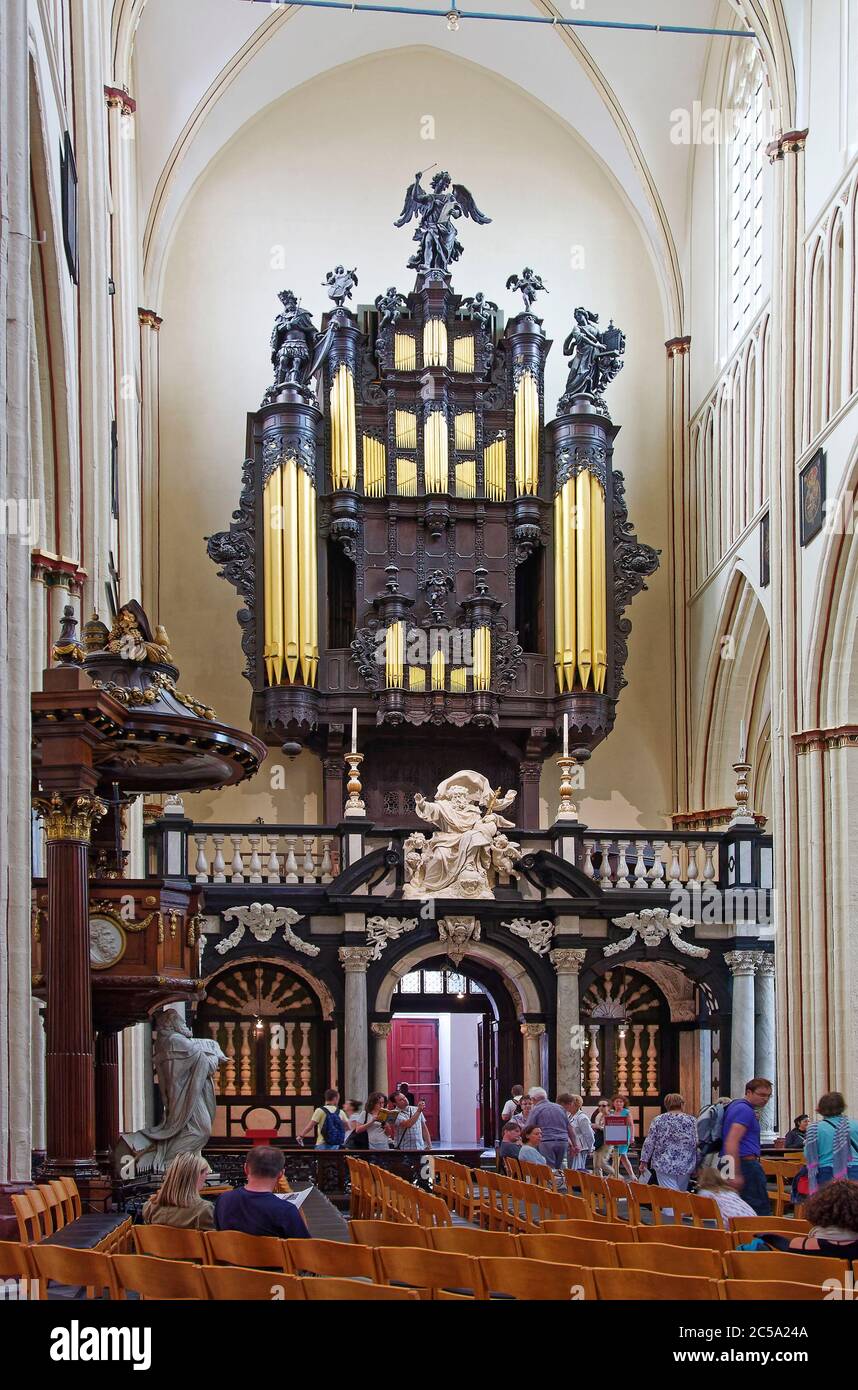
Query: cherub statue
(595,358)
(413,854)
(478,308)
(339,283)
(437,211)
(529,284)
(457,862)
(391,306)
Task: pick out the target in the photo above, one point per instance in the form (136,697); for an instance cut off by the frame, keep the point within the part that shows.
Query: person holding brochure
(255,1208)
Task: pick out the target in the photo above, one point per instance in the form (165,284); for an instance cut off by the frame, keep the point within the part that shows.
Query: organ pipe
(580,585)
(526,435)
(343,430)
(290,576)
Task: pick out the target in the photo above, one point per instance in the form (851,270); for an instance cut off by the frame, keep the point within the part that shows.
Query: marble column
(679,397)
(765,1052)
(381,1032)
(743,965)
(570,1034)
(532,1034)
(354,960)
(704,1043)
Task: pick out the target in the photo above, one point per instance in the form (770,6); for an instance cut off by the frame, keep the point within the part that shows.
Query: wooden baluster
(327,874)
(274,1059)
(289,1056)
(309,865)
(709,847)
(255,862)
(640,865)
(675,868)
(637,1074)
(651,1061)
(593,1060)
(229,1071)
(219,866)
(213,1029)
(606,881)
(291,862)
(202,864)
(273,866)
(236,874)
(246,1089)
(622,864)
(306,1089)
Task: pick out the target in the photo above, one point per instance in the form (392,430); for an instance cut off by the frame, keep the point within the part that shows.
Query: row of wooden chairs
(520,1207)
(538,1173)
(375,1192)
(54,1206)
(403,1272)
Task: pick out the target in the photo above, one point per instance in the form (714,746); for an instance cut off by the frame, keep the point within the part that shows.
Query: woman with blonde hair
(711,1182)
(177,1201)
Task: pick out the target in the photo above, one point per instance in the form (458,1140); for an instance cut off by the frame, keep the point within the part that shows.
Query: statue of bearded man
(457,861)
(185,1067)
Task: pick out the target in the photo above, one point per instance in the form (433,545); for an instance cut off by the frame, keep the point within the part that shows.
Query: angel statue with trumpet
(437,210)
(468,851)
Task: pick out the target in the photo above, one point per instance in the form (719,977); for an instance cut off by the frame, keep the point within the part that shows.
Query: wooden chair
(432,1211)
(252,1252)
(466,1240)
(705,1212)
(16,1262)
(232,1282)
(337,1259)
(170,1243)
(569,1250)
(431,1271)
(357,1187)
(65,1198)
(377,1233)
(547,1205)
(782,1170)
(70,1188)
(87,1269)
(539,1280)
(458,1186)
(777,1264)
(524,1204)
(671,1259)
(744,1228)
(770,1291)
(690,1237)
(353,1291)
(574,1178)
(618,1194)
(30,1228)
(54,1209)
(492,1211)
(153,1278)
(512,1169)
(595,1191)
(660,1201)
(592,1230)
(648,1285)
(538,1173)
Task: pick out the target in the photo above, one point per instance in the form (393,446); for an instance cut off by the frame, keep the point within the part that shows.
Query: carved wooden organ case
(413,539)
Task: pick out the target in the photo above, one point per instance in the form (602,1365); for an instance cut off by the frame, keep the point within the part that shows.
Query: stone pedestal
(570,1034)
(354,960)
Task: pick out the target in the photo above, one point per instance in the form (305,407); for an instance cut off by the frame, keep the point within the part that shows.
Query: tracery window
(748,104)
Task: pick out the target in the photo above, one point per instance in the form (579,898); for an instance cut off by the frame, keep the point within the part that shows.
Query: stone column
(704,1043)
(106,1095)
(37,1072)
(70,1109)
(532,1034)
(354,960)
(15,882)
(743,965)
(570,1034)
(381,1032)
(679,393)
(765,1052)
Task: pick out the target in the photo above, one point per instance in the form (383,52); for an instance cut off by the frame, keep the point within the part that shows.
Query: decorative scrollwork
(234,551)
(633,563)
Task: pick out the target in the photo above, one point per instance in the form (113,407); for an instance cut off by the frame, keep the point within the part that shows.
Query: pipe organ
(415,539)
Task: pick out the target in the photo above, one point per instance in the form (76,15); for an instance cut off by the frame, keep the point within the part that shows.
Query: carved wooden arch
(675,976)
(524,989)
(318,987)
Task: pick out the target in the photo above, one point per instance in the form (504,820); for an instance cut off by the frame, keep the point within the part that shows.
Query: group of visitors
(560,1133)
(382,1122)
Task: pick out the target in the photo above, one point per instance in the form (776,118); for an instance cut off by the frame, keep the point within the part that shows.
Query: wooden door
(412,1057)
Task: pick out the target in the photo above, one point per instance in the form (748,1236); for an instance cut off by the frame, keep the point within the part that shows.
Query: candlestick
(566,735)
(354,730)
(742,813)
(742,741)
(354,805)
(567,809)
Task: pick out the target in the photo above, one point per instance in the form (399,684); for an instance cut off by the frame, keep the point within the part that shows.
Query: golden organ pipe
(307,546)
(313,585)
(583,574)
(599,600)
(559,595)
(291,568)
(569,582)
(438,670)
(275,528)
(343,429)
(268,650)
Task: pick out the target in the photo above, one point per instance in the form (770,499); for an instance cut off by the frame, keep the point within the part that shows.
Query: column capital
(381,1030)
(119,97)
(355,959)
(743,963)
(149,319)
(678,347)
(790,142)
(766,965)
(568,962)
(532,1030)
(69,817)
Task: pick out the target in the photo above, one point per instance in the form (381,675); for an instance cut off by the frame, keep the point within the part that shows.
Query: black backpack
(333,1129)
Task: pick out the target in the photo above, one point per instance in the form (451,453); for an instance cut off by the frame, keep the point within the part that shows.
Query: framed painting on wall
(765,572)
(811,497)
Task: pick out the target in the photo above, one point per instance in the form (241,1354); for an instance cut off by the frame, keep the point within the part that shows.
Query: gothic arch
(831,689)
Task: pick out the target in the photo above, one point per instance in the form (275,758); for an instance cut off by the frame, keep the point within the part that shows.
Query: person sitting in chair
(254,1208)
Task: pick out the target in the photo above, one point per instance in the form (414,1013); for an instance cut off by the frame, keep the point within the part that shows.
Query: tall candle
(742,741)
(354,730)
(566,735)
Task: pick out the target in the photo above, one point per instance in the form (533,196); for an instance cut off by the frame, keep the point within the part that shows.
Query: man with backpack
(710,1126)
(330,1122)
(740,1160)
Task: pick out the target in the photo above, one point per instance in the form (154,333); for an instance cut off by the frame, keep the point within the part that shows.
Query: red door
(412,1057)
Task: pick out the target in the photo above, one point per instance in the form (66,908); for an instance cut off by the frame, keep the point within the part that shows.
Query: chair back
(512,1168)
(54,1211)
(671,1259)
(65,1198)
(73,1195)
(770,1291)
(618,1196)
(229,1282)
(336,1259)
(352,1291)
(705,1212)
(87,1269)
(170,1243)
(538,1173)
(791,1266)
(666,1205)
(16,1262)
(687,1237)
(569,1250)
(536,1279)
(744,1228)
(646,1285)
(375,1233)
(430,1271)
(254,1252)
(466,1240)
(153,1278)
(30,1228)
(595,1190)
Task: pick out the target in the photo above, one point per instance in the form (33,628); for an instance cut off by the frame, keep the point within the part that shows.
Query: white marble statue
(185,1067)
(468,850)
